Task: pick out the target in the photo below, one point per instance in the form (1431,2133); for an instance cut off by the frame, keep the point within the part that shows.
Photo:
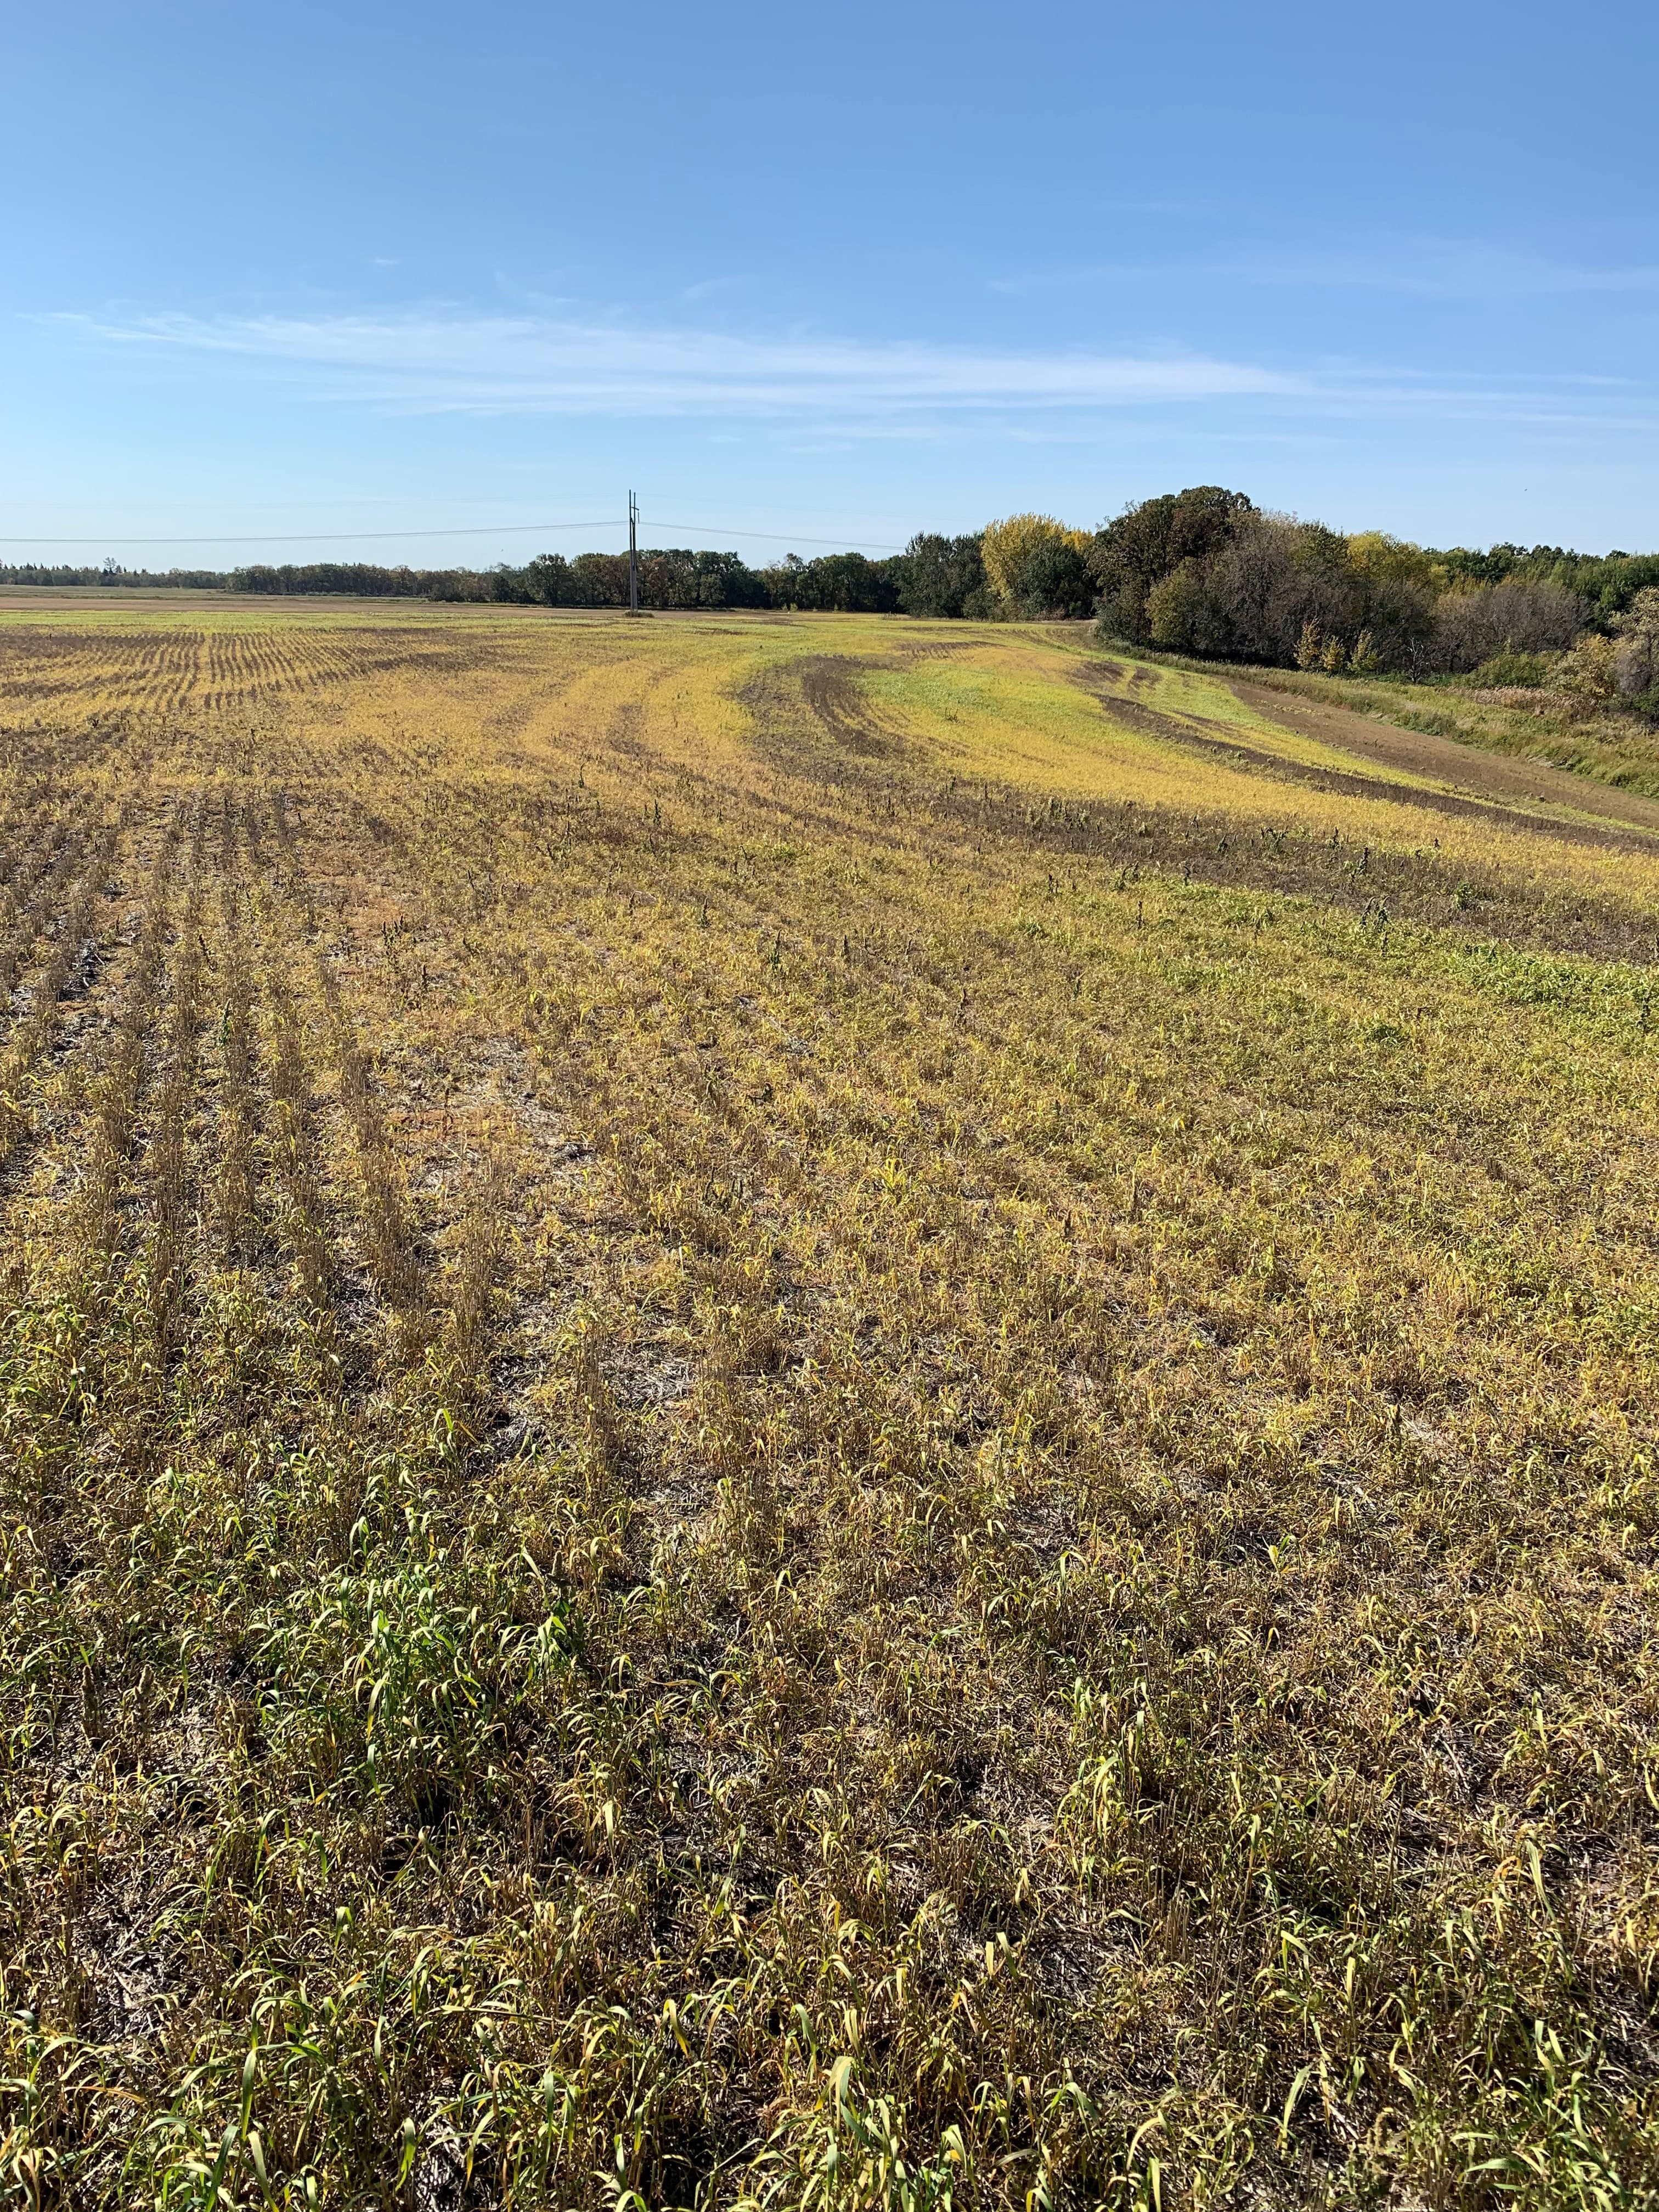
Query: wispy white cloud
(522,364)
(713,288)
(436,362)
(1436,268)
(1444,272)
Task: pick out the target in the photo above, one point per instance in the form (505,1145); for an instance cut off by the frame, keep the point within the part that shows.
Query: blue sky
(297,278)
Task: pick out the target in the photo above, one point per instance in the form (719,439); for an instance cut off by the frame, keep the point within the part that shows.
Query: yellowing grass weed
(790,1413)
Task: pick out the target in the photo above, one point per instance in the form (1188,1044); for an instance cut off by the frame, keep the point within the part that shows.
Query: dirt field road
(1467,769)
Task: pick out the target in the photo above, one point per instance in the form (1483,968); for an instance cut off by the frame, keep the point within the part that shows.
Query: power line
(782,537)
(468,529)
(336,537)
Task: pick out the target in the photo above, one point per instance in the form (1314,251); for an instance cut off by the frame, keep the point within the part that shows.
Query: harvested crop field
(819,1411)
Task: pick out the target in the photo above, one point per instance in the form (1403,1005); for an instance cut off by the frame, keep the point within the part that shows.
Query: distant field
(813,1411)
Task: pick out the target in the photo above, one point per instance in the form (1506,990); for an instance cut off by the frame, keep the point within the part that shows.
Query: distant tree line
(113,574)
(359,579)
(1203,571)
(673,577)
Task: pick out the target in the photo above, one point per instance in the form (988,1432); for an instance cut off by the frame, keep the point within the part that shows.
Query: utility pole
(633,555)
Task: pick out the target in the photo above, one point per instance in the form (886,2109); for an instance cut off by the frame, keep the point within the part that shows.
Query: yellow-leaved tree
(1375,553)
(1018,552)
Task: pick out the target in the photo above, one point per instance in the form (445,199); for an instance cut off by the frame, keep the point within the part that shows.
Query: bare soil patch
(1492,776)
